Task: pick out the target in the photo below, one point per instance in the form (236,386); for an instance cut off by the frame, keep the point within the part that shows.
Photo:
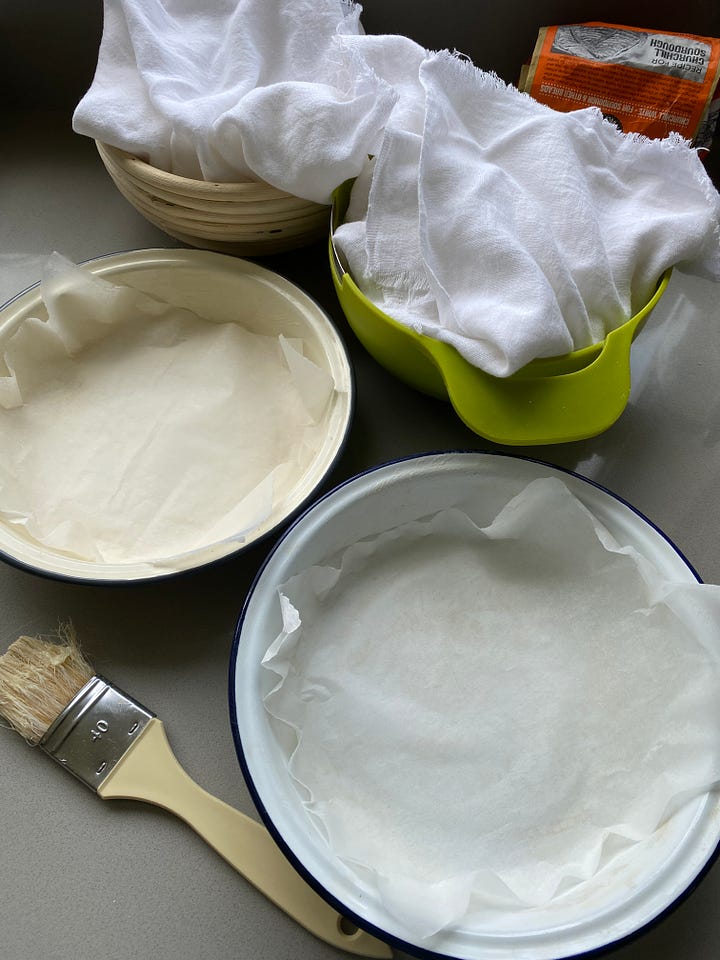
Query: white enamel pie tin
(220,289)
(627,895)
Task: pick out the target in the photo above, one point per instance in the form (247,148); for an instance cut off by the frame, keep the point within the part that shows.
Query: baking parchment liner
(133,431)
(488,715)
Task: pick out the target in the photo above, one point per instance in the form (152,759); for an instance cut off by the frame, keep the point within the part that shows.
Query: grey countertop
(80,878)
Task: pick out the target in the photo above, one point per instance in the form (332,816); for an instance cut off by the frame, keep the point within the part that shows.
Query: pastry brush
(50,694)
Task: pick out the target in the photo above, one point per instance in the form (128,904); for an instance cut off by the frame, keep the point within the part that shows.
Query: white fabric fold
(238,90)
(531,232)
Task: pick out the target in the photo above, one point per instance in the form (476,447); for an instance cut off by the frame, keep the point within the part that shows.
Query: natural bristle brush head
(38,678)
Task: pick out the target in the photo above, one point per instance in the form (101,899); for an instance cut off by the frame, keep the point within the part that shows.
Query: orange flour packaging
(645,81)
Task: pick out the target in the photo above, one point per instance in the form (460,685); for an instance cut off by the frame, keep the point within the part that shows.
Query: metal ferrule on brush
(95,730)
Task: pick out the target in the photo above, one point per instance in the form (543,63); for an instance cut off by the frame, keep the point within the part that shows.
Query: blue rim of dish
(302,507)
(394,941)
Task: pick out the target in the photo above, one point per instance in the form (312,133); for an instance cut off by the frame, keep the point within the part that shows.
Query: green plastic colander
(550,400)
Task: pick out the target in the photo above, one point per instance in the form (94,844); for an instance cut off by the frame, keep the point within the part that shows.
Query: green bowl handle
(526,409)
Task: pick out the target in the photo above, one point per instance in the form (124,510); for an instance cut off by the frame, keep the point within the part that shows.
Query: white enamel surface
(221,289)
(636,886)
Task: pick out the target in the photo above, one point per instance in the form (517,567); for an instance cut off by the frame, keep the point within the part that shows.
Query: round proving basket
(550,400)
(631,891)
(251,218)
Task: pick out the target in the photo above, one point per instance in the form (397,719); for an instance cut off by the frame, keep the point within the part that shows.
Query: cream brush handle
(149,771)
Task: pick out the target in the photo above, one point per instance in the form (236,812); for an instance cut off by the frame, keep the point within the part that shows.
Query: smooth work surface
(82,878)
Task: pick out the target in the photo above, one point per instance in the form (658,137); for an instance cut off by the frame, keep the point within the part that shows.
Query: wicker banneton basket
(246,219)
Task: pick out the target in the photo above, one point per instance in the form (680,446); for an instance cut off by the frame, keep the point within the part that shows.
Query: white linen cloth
(486,717)
(512,231)
(237,90)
